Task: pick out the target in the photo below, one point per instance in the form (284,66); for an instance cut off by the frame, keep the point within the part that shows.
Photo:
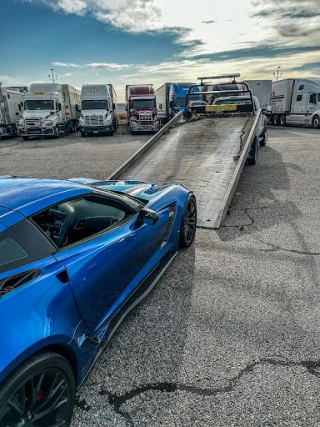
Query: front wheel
(41,392)
(188,222)
(276,120)
(316,122)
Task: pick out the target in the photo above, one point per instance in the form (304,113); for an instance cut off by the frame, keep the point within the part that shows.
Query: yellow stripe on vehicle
(222,107)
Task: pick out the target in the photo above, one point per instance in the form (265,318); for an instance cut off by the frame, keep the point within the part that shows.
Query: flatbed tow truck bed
(207,156)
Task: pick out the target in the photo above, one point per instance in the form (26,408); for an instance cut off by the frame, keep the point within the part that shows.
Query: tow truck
(204,149)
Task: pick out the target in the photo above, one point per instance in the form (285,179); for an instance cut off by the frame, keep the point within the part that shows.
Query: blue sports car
(75,257)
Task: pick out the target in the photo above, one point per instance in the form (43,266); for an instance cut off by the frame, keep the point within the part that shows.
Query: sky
(156,41)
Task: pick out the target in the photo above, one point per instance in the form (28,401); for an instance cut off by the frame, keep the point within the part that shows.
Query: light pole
(277,74)
(52,77)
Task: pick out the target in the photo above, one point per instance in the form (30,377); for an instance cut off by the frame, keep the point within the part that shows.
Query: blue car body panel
(81,291)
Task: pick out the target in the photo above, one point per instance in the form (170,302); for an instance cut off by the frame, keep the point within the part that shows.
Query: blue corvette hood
(139,189)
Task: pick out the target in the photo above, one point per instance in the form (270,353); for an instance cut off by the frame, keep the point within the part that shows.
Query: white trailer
(162,99)
(11,106)
(262,90)
(99,109)
(296,102)
(50,109)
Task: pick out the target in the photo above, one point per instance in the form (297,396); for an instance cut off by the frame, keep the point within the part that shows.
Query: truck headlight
(49,123)
(81,121)
(21,123)
(108,122)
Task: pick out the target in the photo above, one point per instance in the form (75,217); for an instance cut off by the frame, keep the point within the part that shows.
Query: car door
(106,267)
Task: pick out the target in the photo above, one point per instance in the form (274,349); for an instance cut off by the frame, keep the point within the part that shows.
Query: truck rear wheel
(316,122)
(253,153)
(276,120)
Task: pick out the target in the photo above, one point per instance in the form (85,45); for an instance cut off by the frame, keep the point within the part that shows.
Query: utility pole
(52,77)
(277,74)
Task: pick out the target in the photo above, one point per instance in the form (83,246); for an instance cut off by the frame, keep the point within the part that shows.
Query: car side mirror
(148,216)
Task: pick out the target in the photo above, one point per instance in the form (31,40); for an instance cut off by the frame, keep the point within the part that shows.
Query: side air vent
(172,213)
(14,282)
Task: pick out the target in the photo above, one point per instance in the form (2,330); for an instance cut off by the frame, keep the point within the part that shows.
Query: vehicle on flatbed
(50,109)
(295,102)
(99,109)
(141,107)
(76,257)
(261,89)
(11,106)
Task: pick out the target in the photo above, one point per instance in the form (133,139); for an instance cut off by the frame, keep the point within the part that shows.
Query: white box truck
(50,109)
(11,106)
(296,102)
(99,109)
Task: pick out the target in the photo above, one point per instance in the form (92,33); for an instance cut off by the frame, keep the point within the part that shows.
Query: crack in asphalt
(118,400)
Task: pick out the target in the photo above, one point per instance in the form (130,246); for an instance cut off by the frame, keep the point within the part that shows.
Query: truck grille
(146,120)
(94,120)
(33,123)
(172,213)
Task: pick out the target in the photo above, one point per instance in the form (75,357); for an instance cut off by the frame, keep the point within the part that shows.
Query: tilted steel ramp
(206,155)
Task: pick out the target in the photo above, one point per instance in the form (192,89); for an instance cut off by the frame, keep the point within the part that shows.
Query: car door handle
(63,277)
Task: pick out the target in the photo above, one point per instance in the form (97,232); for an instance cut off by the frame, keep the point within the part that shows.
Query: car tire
(83,134)
(25,138)
(32,386)
(188,222)
(283,120)
(316,122)
(276,120)
(253,154)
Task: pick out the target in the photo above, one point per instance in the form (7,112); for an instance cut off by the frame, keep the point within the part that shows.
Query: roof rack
(221,76)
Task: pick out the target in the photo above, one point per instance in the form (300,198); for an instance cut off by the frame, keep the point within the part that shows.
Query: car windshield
(39,105)
(143,103)
(94,104)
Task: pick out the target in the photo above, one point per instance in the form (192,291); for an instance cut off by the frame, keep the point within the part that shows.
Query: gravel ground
(69,156)
(230,336)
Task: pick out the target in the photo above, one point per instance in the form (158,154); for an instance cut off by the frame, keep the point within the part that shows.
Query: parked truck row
(51,109)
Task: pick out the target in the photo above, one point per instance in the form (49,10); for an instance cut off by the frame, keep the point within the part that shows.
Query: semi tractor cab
(99,108)
(177,97)
(141,108)
(11,106)
(50,109)
(295,102)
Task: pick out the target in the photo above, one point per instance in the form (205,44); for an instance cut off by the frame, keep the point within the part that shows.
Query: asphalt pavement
(230,336)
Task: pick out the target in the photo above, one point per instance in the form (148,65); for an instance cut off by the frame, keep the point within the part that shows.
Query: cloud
(108,66)
(65,75)
(65,64)
(208,22)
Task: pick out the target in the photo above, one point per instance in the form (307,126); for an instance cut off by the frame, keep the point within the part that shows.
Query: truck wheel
(57,132)
(276,120)
(25,138)
(263,141)
(41,391)
(253,153)
(316,122)
(283,120)
(188,222)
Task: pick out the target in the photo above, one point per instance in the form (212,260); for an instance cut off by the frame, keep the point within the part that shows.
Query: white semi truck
(11,106)
(99,109)
(50,109)
(296,102)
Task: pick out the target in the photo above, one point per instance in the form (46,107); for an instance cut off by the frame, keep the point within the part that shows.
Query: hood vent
(13,282)
(172,214)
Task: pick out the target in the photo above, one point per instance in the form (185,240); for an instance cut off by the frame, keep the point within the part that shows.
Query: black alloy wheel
(188,223)
(40,393)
